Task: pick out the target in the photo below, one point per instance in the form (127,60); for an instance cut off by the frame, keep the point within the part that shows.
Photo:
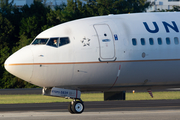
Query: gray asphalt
(107,110)
(121,110)
(97,106)
(117,115)
(21,91)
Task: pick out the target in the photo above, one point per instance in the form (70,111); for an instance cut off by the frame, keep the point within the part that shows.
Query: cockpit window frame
(59,45)
(52,38)
(61,41)
(39,43)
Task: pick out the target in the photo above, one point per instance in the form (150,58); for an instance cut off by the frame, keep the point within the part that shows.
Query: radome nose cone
(20,63)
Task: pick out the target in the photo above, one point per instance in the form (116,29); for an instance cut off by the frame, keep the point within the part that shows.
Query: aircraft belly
(149,73)
(132,75)
(107,76)
(76,75)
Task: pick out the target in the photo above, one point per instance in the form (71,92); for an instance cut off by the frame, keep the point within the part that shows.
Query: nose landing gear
(76,107)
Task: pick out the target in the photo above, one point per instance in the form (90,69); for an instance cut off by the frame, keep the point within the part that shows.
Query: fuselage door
(106,42)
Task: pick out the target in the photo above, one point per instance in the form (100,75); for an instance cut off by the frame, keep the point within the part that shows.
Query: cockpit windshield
(64,41)
(57,42)
(40,41)
(54,42)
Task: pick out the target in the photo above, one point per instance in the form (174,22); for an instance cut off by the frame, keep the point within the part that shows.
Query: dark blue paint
(166,26)
(115,37)
(174,27)
(149,30)
(106,40)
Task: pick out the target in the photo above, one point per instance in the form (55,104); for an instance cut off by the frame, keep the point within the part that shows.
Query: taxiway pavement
(107,110)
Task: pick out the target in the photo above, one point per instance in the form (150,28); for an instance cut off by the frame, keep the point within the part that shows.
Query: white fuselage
(105,53)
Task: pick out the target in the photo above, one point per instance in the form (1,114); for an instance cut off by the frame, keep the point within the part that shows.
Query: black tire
(70,108)
(77,107)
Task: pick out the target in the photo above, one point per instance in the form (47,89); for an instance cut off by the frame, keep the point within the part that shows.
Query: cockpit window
(53,42)
(40,41)
(64,41)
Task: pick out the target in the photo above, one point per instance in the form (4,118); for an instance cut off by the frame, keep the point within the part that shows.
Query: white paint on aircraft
(96,48)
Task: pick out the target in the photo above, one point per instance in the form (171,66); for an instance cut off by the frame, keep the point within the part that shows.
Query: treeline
(19,26)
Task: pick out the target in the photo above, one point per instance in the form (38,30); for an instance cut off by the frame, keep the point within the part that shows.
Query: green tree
(6,33)
(105,7)
(92,8)
(69,12)
(33,19)
(6,30)
(53,18)
(31,26)
(122,6)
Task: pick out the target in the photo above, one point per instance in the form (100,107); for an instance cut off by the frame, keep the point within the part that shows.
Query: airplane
(139,51)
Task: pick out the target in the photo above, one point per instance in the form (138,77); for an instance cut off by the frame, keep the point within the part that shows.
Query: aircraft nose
(20,64)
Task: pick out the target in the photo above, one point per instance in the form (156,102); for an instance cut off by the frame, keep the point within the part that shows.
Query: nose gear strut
(74,107)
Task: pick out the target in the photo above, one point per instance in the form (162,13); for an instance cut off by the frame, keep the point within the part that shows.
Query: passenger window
(142,41)
(159,41)
(64,41)
(134,42)
(176,40)
(168,41)
(53,42)
(151,41)
(40,41)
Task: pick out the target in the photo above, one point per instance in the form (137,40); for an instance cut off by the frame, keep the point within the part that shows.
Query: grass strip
(16,99)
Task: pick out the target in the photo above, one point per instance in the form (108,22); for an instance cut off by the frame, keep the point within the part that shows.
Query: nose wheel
(76,107)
